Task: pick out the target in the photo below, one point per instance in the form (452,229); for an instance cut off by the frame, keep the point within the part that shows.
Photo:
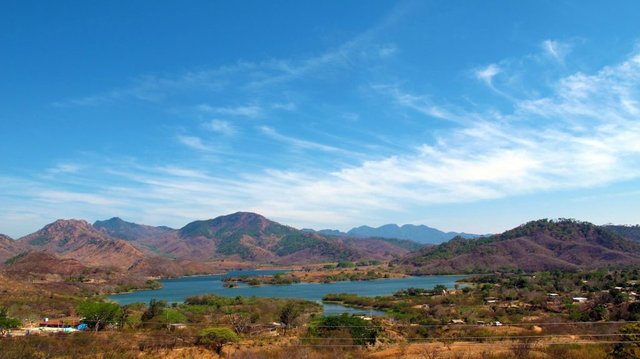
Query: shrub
(362,332)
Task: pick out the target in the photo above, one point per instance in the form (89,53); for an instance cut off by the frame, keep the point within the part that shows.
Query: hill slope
(537,245)
(77,239)
(8,248)
(629,232)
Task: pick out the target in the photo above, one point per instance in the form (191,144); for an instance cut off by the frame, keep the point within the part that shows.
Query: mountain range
(417,233)
(71,246)
(162,251)
(251,237)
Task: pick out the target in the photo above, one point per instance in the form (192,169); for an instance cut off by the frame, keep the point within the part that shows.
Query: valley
(517,289)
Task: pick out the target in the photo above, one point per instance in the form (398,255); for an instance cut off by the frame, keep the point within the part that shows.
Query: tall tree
(99,314)
(216,338)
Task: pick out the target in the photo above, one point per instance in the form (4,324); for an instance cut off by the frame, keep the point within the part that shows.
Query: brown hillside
(538,245)
(77,239)
(39,263)
(8,248)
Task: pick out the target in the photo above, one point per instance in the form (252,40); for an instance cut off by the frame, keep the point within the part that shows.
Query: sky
(461,115)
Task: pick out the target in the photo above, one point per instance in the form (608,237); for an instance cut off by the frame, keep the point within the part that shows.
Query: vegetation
(216,337)
(629,345)
(346,264)
(360,331)
(277,279)
(288,315)
(98,314)
(7,322)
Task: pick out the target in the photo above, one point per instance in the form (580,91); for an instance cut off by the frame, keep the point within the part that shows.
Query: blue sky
(462,115)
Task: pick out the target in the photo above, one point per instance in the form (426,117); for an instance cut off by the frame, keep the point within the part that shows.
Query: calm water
(176,290)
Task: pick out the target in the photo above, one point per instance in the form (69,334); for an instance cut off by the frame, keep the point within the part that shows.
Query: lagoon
(177,289)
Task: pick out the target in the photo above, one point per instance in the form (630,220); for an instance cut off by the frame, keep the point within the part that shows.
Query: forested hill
(537,245)
(629,232)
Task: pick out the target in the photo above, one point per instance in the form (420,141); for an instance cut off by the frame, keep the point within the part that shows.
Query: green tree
(216,338)
(155,308)
(7,322)
(98,314)
(288,314)
(439,289)
(362,332)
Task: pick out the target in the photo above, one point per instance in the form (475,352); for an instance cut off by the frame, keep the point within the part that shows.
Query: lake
(177,289)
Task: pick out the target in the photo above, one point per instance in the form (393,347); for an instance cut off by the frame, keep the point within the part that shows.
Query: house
(57,326)
(579,299)
(177,326)
(457,321)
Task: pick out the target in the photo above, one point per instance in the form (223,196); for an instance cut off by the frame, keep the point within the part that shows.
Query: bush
(346,264)
(362,331)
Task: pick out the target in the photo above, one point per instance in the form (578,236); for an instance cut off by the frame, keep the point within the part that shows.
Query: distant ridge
(118,228)
(538,245)
(630,232)
(417,233)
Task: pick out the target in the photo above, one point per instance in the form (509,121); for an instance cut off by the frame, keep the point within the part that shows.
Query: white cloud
(252,111)
(556,50)
(297,143)
(387,50)
(222,127)
(487,74)
(421,104)
(195,143)
(70,196)
(68,168)
(286,106)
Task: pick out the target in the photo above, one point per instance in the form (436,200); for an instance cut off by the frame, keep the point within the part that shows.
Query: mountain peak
(113,220)
(244,216)
(244,221)
(67,225)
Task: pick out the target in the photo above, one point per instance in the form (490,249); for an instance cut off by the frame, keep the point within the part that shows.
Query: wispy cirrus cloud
(486,74)
(556,50)
(419,103)
(299,144)
(251,111)
(195,143)
(220,126)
